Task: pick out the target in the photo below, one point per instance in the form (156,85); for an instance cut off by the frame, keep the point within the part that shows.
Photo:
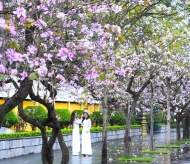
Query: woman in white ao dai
(75,133)
(86,138)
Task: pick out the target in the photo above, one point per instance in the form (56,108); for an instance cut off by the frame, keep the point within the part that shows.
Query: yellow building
(58,105)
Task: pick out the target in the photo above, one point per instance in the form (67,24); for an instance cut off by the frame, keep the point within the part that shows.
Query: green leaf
(102,77)
(13,45)
(27,24)
(32,76)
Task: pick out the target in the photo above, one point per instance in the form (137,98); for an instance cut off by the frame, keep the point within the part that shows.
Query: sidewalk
(115,150)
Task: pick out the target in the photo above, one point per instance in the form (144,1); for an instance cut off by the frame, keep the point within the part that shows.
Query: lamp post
(144,125)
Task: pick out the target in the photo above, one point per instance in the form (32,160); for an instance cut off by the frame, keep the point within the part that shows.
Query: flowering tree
(36,41)
(47,45)
(153,47)
(119,59)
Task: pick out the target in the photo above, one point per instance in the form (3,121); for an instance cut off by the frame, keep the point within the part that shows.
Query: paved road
(115,150)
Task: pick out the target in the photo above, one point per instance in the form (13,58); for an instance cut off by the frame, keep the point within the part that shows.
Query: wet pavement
(115,150)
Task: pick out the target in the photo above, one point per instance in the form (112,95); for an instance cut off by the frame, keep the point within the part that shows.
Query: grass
(181,141)
(137,159)
(168,146)
(155,151)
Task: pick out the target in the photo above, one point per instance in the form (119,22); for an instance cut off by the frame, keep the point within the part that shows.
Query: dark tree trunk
(187,122)
(127,138)
(47,151)
(168,111)
(104,146)
(104,132)
(47,147)
(152,119)
(22,92)
(178,129)
(186,127)
(52,122)
(64,149)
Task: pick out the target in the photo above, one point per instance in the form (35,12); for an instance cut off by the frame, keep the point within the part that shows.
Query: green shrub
(135,126)
(97,118)
(79,112)
(37,113)
(116,118)
(159,117)
(63,131)
(10,119)
(64,117)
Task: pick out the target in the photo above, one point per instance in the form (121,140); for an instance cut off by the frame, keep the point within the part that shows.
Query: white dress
(76,137)
(86,138)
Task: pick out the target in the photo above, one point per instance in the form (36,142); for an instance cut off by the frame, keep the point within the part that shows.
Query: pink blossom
(96,27)
(64,53)
(50,74)
(36,62)
(70,55)
(57,38)
(116,29)
(122,72)
(20,12)
(14,72)
(2,68)
(43,8)
(92,75)
(48,56)
(61,15)
(116,8)
(12,29)
(46,34)
(1,6)
(102,43)
(32,49)
(84,28)
(40,23)
(42,61)
(17,57)
(50,100)
(107,26)
(2,23)
(23,75)
(13,56)
(59,76)
(42,71)
(74,23)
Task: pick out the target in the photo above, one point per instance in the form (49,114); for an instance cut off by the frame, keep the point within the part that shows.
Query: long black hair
(83,118)
(72,117)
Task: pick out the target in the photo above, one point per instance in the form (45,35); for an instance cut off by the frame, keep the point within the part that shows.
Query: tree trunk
(64,149)
(185,128)
(178,129)
(168,112)
(104,132)
(127,138)
(18,97)
(151,120)
(47,153)
(47,146)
